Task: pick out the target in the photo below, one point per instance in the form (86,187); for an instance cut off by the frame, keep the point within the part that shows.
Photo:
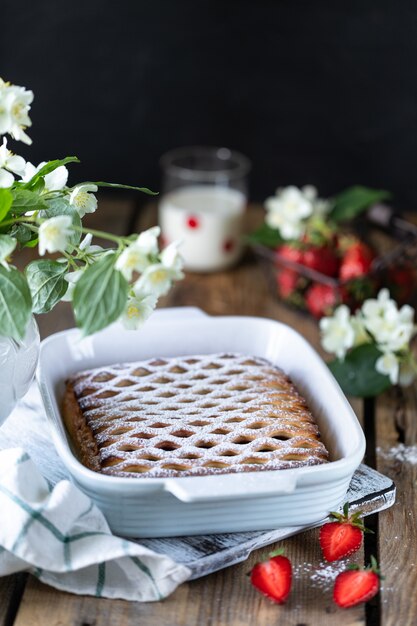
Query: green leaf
(15,303)
(47,283)
(357,375)
(6,199)
(355,200)
(26,200)
(33,242)
(22,233)
(61,206)
(100,295)
(7,245)
(266,236)
(118,186)
(48,168)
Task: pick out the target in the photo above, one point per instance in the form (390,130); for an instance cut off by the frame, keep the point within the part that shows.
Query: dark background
(321,92)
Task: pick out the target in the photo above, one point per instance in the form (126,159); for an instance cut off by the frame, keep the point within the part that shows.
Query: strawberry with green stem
(273,577)
(343,536)
(357,584)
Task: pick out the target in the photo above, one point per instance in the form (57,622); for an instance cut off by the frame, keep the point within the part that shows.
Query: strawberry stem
(277,552)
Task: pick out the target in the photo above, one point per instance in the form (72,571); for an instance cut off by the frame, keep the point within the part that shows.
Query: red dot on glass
(163,241)
(192,222)
(228,245)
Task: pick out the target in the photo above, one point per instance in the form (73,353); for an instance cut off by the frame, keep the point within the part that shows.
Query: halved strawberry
(356,585)
(273,577)
(342,537)
(356,261)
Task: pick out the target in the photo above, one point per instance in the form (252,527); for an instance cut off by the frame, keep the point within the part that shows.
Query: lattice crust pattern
(196,415)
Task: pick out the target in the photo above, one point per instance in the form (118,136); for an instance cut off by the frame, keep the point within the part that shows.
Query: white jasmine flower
(72,278)
(83,200)
(132,259)
(148,240)
(54,181)
(9,162)
(87,248)
(338,334)
(286,210)
(172,259)
(156,279)
(15,103)
(57,179)
(361,335)
(388,364)
(137,256)
(391,328)
(6,179)
(138,309)
(30,171)
(54,234)
(377,307)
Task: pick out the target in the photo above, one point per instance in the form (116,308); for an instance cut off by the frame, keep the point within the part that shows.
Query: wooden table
(226,597)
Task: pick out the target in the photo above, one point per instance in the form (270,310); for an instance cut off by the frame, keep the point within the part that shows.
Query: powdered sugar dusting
(400,452)
(322,575)
(194,415)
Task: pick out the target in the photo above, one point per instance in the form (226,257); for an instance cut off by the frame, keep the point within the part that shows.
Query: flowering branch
(37,208)
(372,346)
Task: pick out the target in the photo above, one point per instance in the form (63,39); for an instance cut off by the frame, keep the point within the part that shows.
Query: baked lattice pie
(187,416)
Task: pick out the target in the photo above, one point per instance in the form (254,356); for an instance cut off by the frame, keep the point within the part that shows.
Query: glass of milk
(204,196)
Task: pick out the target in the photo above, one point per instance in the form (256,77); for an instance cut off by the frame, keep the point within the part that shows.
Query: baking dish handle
(230,486)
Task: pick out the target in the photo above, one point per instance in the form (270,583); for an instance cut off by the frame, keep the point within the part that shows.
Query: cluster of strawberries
(303,272)
(338,539)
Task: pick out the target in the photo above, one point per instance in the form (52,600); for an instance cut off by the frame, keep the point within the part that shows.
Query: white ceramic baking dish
(162,507)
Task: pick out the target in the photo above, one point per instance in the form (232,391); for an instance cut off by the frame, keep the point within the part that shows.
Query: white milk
(208,221)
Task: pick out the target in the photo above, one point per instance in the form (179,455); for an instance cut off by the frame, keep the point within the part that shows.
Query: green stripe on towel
(101,579)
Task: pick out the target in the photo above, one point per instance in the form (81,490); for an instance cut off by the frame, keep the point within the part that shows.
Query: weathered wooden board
(397,528)
(369,492)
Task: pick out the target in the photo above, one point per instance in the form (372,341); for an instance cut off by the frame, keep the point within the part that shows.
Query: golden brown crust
(80,433)
(188,416)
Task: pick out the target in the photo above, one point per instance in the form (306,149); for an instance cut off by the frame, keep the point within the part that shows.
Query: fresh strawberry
(273,577)
(288,253)
(357,261)
(287,282)
(356,585)
(343,536)
(321,299)
(323,259)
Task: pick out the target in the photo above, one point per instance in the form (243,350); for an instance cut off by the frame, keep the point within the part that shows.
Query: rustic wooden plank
(224,598)
(397,526)
(11,591)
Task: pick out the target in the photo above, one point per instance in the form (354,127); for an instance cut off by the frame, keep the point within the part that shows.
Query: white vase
(18,360)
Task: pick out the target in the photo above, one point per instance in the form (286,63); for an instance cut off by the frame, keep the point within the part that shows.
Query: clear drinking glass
(204,197)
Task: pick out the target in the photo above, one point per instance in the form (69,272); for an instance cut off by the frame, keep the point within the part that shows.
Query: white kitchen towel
(60,536)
